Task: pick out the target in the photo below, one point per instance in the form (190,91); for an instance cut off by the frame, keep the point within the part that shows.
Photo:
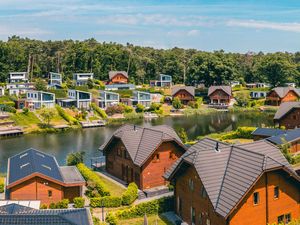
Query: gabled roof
(267,132)
(288,136)
(189,89)
(285,108)
(229,173)
(226,89)
(111,74)
(141,142)
(283,91)
(16,214)
(31,161)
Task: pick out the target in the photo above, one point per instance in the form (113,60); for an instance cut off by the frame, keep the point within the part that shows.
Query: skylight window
(47,167)
(23,155)
(22,166)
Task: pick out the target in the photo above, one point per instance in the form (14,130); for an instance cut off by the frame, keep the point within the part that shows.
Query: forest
(189,66)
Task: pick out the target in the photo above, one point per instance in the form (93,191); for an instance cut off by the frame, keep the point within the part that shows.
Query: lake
(89,140)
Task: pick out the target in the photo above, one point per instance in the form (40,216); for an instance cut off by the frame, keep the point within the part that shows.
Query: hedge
(65,116)
(130,195)
(152,207)
(63,204)
(89,175)
(241,132)
(99,111)
(79,202)
(107,201)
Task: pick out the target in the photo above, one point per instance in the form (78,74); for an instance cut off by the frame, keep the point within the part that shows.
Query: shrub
(99,111)
(176,103)
(25,110)
(44,206)
(111,219)
(127,108)
(75,158)
(1,186)
(65,116)
(107,201)
(152,207)
(154,107)
(89,175)
(63,204)
(139,108)
(52,205)
(241,132)
(130,195)
(114,109)
(79,202)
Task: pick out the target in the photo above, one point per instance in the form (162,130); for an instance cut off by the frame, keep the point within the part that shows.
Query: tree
(139,108)
(75,158)
(40,85)
(183,135)
(242,99)
(90,83)
(177,103)
(47,114)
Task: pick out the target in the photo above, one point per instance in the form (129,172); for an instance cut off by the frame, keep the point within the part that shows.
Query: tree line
(189,66)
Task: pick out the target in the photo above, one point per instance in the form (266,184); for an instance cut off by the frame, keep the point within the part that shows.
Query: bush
(79,202)
(75,158)
(152,207)
(25,111)
(111,219)
(241,132)
(139,108)
(99,111)
(127,108)
(130,195)
(176,103)
(89,175)
(1,185)
(107,201)
(65,116)
(44,206)
(114,109)
(63,204)
(154,107)
(52,205)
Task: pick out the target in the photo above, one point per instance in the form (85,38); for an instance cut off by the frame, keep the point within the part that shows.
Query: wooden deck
(99,123)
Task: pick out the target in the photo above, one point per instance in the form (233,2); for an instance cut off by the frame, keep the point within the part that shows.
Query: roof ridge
(225,172)
(138,148)
(247,150)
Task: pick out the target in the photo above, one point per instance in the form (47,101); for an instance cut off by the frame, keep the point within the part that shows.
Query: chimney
(217,147)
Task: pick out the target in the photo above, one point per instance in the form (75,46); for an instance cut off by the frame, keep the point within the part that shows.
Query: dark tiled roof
(267,132)
(285,108)
(114,73)
(13,214)
(140,142)
(189,89)
(227,174)
(32,161)
(288,136)
(226,89)
(283,91)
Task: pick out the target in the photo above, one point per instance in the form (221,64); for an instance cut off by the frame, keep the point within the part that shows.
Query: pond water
(89,140)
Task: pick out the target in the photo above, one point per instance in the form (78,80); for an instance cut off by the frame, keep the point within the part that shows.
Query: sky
(208,25)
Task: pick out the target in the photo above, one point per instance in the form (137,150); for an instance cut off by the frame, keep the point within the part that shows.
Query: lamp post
(102,209)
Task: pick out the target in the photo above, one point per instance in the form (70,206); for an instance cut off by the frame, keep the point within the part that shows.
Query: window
(200,219)
(193,215)
(49,193)
(156,158)
(119,152)
(255,198)
(276,192)
(191,184)
(288,218)
(203,192)
(172,155)
(280,219)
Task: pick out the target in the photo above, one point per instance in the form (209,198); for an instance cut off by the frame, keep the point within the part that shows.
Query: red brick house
(282,94)
(220,94)
(34,175)
(220,184)
(118,77)
(142,155)
(288,115)
(185,93)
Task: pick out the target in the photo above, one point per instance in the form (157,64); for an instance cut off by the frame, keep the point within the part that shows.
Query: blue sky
(236,26)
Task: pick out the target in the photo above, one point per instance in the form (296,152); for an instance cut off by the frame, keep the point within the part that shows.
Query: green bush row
(79,202)
(65,116)
(2,186)
(99,111)
(130,195)
(241,132)
(107,201)
(89,175)
(63,204)
(152,207)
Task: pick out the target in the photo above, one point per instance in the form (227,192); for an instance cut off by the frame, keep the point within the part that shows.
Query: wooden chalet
(118,77)
(220,184)
(142,155)
(220,95)
(34,175)
(288,115)
(282,94)
(186,94)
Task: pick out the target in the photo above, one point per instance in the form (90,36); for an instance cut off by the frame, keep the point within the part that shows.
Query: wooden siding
(274,99)
(119,78)
(291,120)
(184,96)
(220,96)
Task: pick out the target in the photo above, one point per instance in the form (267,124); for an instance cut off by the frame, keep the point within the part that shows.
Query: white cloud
(193,33)
(292,27)
(7,31)
(116,33)
(183,33)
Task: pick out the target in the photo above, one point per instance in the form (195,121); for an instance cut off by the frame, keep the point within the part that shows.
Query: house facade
(258,94)
(34,175)
(220,95)
(219,184)
(39,99)
(18,77)
(282,94)
(108,98)
(118,77)
(163,81)
(82,78)
(55,79)
(18,89)
(288,115)
(141,97)
(142,155)
(76,98)
(186,94)
(2,91)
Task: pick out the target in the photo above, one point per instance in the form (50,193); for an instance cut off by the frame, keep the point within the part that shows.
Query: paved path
(171,217)
(153,198)
(112,179)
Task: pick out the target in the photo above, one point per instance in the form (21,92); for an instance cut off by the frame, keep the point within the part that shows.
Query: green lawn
(56,120)
(114,189)
(151,221)
(28,121)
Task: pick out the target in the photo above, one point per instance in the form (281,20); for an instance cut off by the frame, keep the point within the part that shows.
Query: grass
(166,109)
(161,220)
(114,189)
(239,141)
(28,121)
(57,119)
